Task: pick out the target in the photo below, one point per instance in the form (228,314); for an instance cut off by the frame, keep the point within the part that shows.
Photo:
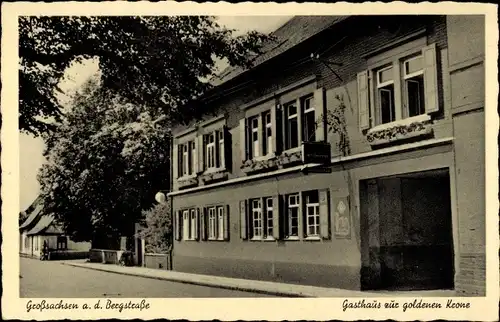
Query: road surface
(53,279)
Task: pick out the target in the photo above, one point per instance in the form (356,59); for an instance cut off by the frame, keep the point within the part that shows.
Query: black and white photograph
(188,152)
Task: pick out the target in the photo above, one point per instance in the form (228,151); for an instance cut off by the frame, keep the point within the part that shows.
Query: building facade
(346,157)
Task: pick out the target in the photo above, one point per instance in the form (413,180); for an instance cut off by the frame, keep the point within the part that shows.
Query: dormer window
(292,126)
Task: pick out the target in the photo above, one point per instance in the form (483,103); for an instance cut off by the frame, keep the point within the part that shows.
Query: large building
(350,155)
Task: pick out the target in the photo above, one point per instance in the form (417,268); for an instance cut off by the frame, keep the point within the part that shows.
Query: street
(54,279)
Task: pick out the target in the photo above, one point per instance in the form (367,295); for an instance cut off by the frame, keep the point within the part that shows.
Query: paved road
(53,279)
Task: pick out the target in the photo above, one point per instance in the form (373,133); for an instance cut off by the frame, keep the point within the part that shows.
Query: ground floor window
(293,210)
(312,213)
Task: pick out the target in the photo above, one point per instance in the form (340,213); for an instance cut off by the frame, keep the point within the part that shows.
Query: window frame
(304,112)
(221,225)
(212,223)
(267,136)
(297,206)
(186,223)
(316,214)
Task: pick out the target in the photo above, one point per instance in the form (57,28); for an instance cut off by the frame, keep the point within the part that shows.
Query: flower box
(184,183)
(209,177)
(399,132)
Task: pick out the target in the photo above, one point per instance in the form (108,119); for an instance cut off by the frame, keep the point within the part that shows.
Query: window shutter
(243,140)
(227,161)
(320,113)
(197,225)
(430,79)
(277,209)
(226,223)
(195,159)
(283,215)
(243,219)
(276,123)
(363,101)
(175,161)
(324,213)
(201,153)
(178,225)
(203,224)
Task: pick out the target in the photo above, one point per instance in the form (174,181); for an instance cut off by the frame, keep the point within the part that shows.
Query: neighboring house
(40,228)
(393,200)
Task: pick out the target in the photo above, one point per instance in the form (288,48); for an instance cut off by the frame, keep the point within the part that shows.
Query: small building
(39,229)
(350,155)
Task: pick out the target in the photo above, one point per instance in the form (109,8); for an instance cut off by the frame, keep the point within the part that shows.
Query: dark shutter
(217,137)
(226,223)
(243,219)
(176,161)
(278,133)
(197,228)
(243,140)
(201,153)
(283,218)
(203,224)
(178,225)
(324,213)
(277,209)
(363,101)
(228,151)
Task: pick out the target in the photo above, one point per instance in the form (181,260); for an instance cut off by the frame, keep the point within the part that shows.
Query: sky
(31,148)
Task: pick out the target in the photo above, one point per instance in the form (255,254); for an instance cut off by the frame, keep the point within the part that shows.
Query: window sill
(187,177)
(213,170)
(216,239)
(313,238)
(292,238)
(259,239)
(264,157)
(186,182)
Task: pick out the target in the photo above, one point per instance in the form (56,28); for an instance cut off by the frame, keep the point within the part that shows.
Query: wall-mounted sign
(316,152)
(341,218)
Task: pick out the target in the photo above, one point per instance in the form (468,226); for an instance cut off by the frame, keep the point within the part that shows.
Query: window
(187,157)
(210,150)
(214,157)
(257,218)
(268,134)
(292,132)
(309,126)
(269,217)
(406,86)
(293,215)
(413,75)
(193,225)
(220,223)
(212,224)
(312,213)
(385,87)
(185,225)
(254,150)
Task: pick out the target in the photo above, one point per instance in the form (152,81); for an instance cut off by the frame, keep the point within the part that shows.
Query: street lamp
(160,197)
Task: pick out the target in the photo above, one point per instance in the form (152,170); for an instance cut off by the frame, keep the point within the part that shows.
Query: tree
(157,61)
(158,228)
(106,160)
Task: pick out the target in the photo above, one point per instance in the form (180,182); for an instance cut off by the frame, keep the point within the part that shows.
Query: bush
(158,228)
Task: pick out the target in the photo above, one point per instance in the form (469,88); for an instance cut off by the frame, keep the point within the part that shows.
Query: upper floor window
(269,130)
(186,158)
(414,92)
(404,85)
(291,126)
(309,126)
(214,153)
(268,134)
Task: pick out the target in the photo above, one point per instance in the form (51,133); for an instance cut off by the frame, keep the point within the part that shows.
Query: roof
(46,225)
(33,217)
(295,31)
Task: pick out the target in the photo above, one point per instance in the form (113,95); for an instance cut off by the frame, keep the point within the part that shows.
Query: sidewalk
(273,288)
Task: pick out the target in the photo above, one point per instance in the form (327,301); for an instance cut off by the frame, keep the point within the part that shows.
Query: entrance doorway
(406,232)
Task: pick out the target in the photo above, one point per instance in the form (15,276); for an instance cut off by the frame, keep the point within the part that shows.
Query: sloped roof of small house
(293,32)
(46,225)
(33,217)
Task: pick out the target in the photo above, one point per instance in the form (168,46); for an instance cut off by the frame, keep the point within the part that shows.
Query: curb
(200,283)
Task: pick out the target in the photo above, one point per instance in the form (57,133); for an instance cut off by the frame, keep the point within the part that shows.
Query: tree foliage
(158,228)
(157,61)
(106,160)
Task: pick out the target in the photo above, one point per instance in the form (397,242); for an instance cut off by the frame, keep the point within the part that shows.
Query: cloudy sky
(31,148)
